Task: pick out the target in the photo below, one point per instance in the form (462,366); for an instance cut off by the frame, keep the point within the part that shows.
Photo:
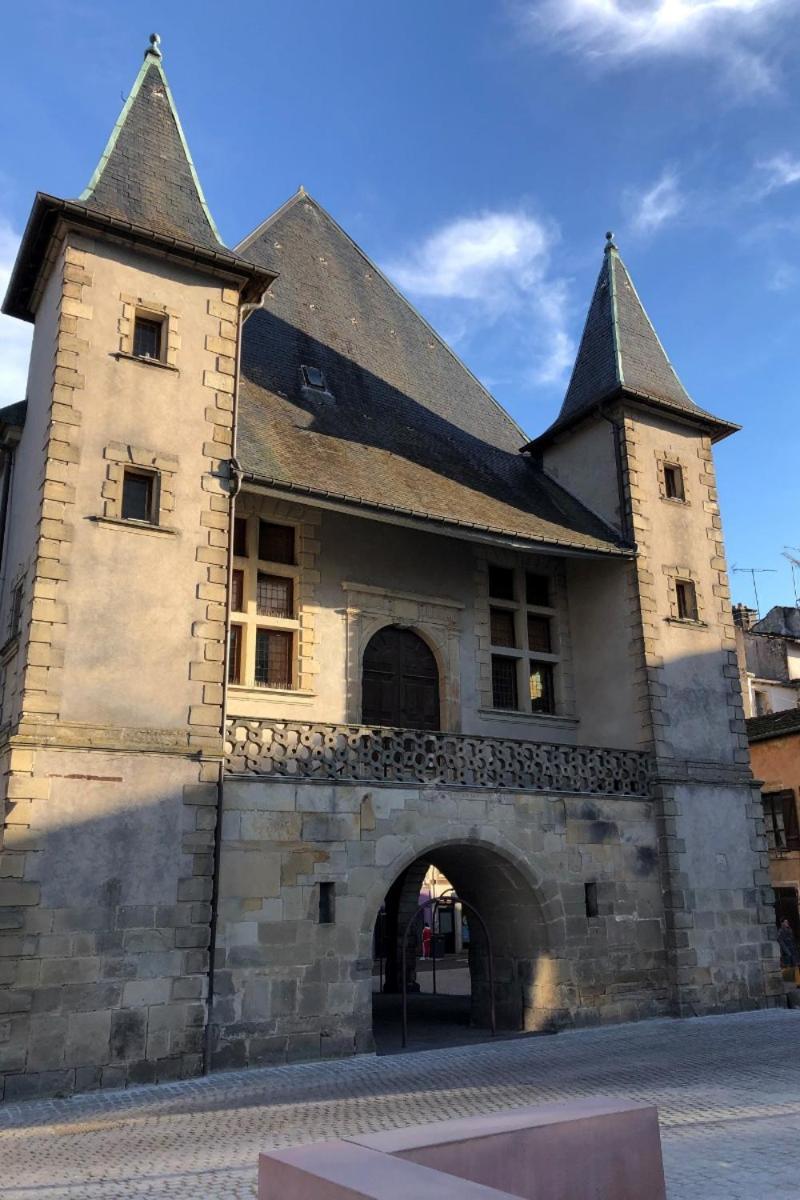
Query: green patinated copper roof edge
(150,60)
(612,284)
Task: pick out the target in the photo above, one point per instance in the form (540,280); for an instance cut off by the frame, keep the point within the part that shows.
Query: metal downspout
(235,487)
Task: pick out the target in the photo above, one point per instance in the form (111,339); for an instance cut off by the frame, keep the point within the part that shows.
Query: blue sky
(478,152)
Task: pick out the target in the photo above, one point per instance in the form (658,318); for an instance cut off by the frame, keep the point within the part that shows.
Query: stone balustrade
(312,750)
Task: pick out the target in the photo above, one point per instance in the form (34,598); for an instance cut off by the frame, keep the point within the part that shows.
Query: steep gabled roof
(146,174)
(620,354)
(403,427)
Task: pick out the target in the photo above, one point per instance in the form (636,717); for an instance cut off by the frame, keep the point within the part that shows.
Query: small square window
(147,337)
(313,378)
(763,707)
(539,634)
(542,690)
(673,482)
(237,591)
(687,600)
(273,596)
(273,658)
(537,589)
(138,496)
(240,537)
(501,583)
(275,542)
(235,655)
(504,682)
(502,627)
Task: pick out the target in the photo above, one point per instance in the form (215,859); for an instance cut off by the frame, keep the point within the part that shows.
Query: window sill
(686,623)
(242,689)
(554,720)
(146,362)
(136,526)
(676,500)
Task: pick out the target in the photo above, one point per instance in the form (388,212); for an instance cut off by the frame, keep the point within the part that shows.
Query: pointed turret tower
(633,445)
(115,579)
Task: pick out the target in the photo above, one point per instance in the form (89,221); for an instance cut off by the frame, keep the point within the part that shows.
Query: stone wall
(288,987)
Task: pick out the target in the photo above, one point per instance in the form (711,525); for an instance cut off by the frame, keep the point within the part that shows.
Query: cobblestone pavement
(727,1088)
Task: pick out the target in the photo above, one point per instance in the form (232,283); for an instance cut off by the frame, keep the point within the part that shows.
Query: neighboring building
(769,659)
(426,639)
(775,755)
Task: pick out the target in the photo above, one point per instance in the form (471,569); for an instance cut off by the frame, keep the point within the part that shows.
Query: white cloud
(15,335)
(658,204)
(493,270)
(784,277)
(733,32)
(780,171)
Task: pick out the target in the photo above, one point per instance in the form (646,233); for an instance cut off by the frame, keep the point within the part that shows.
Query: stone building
(769,658)
(775,753)
(293,610)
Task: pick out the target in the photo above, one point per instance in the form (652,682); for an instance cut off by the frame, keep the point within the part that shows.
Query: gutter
(245,310)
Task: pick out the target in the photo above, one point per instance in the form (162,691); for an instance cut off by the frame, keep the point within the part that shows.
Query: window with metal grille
(273,596)
(501,583)
(240,537)
(313,378)
(275,542)
(502,627)
(780,817)
(235,655)
(504,682)
(542,691)
(15,612)
(687,600)
(138,496)
(673,482)
(237,591)
(273,658)
(147,337)
(539,634)
(537,589)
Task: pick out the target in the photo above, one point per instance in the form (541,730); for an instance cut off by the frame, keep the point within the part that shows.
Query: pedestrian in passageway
(787,943)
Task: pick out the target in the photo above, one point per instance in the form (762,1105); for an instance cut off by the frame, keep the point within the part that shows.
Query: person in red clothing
(427,937)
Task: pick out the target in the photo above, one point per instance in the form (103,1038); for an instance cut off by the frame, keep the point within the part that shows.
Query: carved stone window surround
(436,619)
(148,307)
(164,467)
(665,458)
(675,574)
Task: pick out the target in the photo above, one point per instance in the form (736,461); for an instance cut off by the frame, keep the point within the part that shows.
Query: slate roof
(146,174)
(779,724)
(620,353)
(405,427)
(14,415)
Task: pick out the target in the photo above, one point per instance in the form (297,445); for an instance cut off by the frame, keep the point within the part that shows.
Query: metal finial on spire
(155,46)
(610,243)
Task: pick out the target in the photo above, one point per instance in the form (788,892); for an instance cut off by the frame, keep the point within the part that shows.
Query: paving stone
(727,1090)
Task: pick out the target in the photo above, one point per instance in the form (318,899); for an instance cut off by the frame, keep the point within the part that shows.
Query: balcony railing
(305,750)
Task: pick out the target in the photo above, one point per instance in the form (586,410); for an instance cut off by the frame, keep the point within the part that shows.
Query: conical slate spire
(620,354)
(146,174)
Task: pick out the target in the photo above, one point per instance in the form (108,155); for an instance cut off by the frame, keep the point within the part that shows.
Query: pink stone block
(594,1149)
(584,1150)
(344,1171)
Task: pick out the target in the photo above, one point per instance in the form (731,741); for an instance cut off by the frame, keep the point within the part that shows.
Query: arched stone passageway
(510,907)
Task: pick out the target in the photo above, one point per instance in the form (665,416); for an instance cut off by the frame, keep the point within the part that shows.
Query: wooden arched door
(400,681)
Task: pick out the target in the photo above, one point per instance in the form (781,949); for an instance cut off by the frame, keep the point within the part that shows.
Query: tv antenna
(752,572)
(792,554)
